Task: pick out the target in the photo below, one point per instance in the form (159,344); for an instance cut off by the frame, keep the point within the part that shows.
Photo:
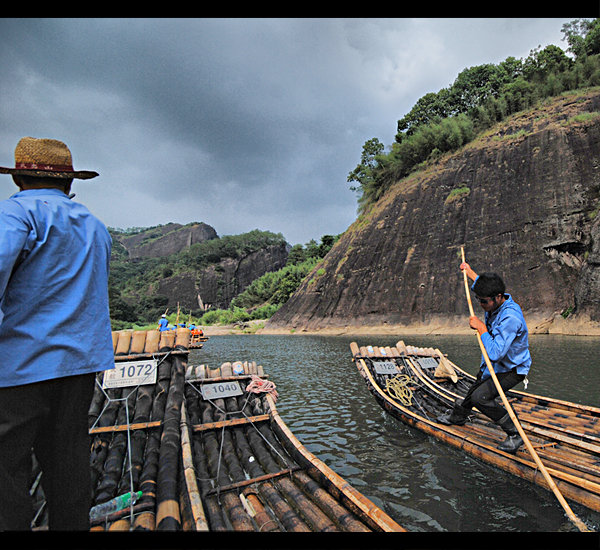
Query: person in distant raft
(506,340)
(163,324)
(55,335)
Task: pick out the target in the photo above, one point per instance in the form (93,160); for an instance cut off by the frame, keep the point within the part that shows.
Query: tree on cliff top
(479,97)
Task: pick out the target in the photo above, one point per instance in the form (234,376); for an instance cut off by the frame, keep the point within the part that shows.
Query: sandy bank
(575,326)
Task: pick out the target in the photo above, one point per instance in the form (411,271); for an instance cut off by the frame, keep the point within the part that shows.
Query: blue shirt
(162,325)
(507,339)
(54,265)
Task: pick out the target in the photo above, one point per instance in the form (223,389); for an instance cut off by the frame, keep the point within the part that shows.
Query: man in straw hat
(55,335)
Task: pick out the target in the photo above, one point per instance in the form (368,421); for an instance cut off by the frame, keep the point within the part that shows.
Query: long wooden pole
(580,525)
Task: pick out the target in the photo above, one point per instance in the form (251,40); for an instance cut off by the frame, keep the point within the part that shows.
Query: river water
(423,483)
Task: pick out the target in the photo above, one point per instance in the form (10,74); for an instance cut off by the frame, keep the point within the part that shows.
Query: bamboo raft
(197,341)
(252,474)
(416,385)
(205,464)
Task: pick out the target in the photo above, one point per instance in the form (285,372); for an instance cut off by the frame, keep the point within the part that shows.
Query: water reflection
(422,483)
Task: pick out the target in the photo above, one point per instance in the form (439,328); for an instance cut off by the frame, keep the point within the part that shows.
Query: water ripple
(421,482)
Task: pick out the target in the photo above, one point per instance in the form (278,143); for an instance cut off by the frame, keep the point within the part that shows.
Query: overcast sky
(239,123)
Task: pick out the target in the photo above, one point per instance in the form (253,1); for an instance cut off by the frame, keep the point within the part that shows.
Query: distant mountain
(164,240)
(156,268)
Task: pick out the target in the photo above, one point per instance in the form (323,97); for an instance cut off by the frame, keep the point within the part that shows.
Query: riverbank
(575,326)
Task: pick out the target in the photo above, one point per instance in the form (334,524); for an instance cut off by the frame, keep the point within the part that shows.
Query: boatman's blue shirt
(54,265)
(507,339)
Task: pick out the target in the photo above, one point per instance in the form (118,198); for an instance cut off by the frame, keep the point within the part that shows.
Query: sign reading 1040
(131,373)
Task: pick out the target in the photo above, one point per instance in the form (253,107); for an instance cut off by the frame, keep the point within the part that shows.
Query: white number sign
(131,373)
(221,389)
(428,362)
(385,367)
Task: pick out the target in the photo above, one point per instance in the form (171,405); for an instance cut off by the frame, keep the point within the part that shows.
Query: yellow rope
(397,387)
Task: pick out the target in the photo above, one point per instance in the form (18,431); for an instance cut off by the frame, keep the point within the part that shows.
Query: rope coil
(397,387)
(259,385)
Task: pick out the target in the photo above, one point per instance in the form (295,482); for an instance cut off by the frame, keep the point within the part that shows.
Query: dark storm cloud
(240,123)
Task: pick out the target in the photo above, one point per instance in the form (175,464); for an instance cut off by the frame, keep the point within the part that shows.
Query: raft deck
(253,474)
(416,385)
(205,461)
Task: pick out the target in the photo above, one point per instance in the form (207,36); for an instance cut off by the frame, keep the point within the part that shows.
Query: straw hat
(47,158)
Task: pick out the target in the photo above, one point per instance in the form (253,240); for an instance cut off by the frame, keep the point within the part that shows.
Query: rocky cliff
(524,201)
(165,240)
(218,284)
(158,267)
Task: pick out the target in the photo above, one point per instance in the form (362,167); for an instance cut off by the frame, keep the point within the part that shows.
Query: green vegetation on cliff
(269,292)
(480,97)
(132,304)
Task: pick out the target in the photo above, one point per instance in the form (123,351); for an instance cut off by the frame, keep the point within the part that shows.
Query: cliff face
(166,239)
(524,201)
(194,288)
(218,284)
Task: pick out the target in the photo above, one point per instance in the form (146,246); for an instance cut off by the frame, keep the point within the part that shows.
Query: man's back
(54,262)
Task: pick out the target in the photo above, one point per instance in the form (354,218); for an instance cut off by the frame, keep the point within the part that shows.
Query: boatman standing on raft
(506,340)
(55,335)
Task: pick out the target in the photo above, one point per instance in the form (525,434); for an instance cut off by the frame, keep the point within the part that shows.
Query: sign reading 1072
(131,373)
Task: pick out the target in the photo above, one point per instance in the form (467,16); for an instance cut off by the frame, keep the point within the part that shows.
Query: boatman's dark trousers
(51,418)
(482,394)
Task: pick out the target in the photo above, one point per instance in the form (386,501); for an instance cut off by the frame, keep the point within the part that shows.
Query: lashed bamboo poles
(113,465)
(580,525)
(576,432)
(311,514)
(319,508)
(580,456)
(212,509)
(469,441)
(146,521)
(190,495)
(253,459)
(277,495)
(134,447)
(143,406)
(207,444)
(167,494)
(102,441)
(284,514)
(218,466)
(342,517)
(208,458)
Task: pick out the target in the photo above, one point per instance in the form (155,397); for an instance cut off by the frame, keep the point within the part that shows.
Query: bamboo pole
(580,525)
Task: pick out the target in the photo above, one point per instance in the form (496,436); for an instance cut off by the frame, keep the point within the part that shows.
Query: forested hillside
(219,279)
(503,162)
(480,97)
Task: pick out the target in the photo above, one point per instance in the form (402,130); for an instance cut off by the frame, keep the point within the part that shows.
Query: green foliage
(275,288)
(236,315)
(457,193)
(201,255)
(583,37)
(130,282)
(479,97)
(425,143)
(130,304)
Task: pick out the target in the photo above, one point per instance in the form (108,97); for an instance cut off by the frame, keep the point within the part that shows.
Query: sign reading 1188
(131,373)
